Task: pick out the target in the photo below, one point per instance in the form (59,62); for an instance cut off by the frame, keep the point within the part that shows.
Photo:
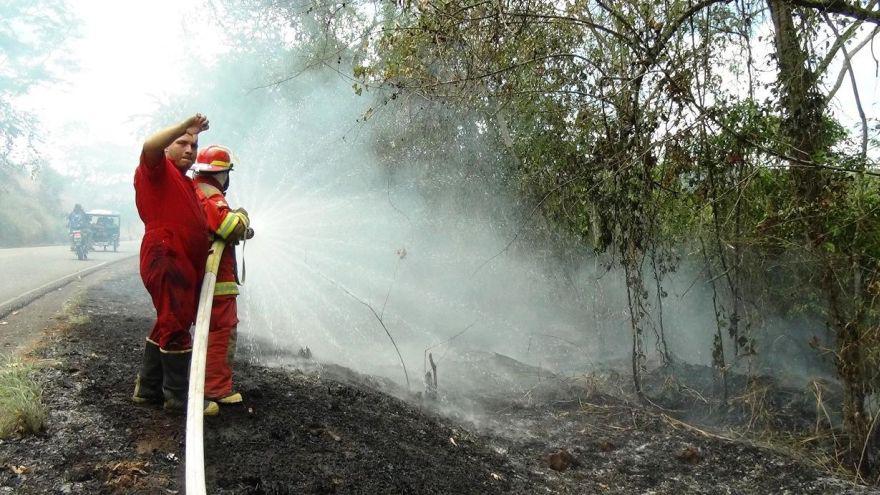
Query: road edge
(16,303)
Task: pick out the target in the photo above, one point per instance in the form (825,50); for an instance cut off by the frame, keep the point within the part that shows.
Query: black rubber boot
(148,384)
(175,367)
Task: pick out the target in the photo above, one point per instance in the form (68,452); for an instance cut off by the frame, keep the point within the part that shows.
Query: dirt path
(328,432)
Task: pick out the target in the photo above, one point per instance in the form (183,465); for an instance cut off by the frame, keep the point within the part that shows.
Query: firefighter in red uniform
(212,169)
(172,260)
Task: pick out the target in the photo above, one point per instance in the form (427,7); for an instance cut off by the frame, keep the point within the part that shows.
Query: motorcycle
(79,244)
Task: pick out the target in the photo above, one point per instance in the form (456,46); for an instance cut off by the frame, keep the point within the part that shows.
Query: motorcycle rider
(78,219)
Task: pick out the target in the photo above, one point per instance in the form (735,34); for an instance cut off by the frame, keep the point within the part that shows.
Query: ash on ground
(327,429)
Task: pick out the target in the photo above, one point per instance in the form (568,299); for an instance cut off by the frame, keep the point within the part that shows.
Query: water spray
(378,318)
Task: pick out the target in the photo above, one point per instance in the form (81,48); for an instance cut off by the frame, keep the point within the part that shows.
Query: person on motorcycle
(211,178)
(172,261)
(77,219)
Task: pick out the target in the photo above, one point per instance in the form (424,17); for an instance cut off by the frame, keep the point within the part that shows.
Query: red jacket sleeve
(152,168)
(221,220)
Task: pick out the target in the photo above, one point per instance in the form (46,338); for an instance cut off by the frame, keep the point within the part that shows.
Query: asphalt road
(28,269)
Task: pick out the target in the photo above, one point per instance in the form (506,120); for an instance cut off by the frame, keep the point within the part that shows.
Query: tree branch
(792,160)
(840,42)
(479,77)
(847,62)
(842,72)
(628,42)
(840,7)
(621,19)
(670,29)
(378,318)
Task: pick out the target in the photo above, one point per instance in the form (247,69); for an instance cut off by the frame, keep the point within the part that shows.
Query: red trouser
(173,283)
(221,347)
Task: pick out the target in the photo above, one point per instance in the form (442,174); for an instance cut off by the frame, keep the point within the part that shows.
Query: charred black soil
(329,431)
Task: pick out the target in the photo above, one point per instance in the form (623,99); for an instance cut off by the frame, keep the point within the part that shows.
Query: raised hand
(196,124)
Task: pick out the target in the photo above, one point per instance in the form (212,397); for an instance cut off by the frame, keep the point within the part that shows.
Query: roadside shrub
(21,400)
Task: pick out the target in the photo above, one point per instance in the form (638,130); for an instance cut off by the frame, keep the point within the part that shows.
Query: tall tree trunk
(803,111)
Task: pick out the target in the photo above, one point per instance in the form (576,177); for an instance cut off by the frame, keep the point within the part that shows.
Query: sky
(125,59)
(129,58)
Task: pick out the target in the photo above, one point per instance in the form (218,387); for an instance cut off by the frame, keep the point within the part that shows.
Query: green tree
(623,133)
(32,37)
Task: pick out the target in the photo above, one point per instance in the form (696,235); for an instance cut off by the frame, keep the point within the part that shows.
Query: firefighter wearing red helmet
(172,260)
(212,168)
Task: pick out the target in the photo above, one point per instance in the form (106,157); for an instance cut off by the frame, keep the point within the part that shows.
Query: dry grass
(21,400)
(72,308)
(755,402)
(819,446)
(79,320)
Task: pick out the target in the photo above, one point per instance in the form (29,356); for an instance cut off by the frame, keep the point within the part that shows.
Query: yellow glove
(241,229)
(243,215)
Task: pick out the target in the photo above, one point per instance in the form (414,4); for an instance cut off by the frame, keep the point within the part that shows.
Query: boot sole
(211,408)
(146,400)
(230,399)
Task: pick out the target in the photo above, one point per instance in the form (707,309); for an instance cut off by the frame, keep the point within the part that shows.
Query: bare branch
(855,87)
(840,7)
(852,52)
(840,42)
(378,318)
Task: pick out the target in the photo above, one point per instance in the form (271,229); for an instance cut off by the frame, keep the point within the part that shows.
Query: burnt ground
(330,430)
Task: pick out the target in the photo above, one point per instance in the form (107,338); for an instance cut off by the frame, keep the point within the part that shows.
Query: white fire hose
(195,408)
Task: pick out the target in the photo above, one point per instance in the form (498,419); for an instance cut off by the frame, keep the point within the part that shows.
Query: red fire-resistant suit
(173,251)
(223,222)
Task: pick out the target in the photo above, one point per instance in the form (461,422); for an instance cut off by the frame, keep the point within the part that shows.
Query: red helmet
(214,158)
